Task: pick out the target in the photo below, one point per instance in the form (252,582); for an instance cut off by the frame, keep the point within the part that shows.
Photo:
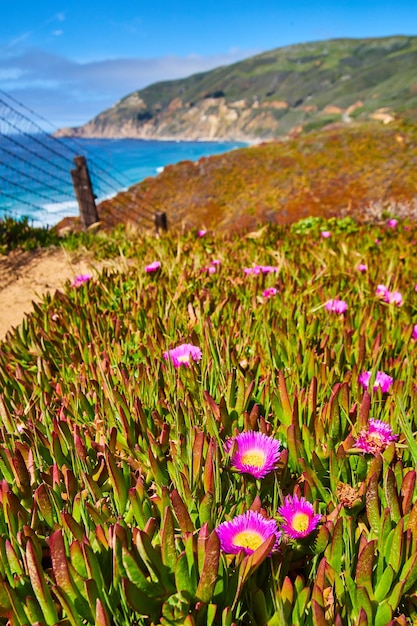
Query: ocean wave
(58,207)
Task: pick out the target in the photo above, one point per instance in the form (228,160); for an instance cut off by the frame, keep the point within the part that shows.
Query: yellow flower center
(300,522)
(375,437)
(248,539)
(254,458)
(184,358)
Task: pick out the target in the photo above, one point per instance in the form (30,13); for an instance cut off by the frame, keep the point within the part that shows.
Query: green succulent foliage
(113,470)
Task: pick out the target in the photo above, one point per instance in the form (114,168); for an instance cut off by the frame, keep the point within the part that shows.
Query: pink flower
(201,233)
(260,269)
(212,268)
(325,233)
(81,279)
(299,519)
(254,453)
(336,306)
(414,333)
(391,297)
(153,267)
(382,381)
(378,242)
(246,533)
(392,223)
(271,291)
(183,355)
(381,291)
(395,297)
(375,438)
(361,267)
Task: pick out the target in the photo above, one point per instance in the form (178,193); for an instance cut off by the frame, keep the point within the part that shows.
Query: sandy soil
(26,276)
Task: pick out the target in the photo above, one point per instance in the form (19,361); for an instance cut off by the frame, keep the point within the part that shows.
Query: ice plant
(201,232)
(361,267)
(325,234)
(183,355)
(382,381)
(153,267)
(392,223)
(254,453)
(80,280)
(395,297)
(414,333)
(299,519)
(376,437)
(260,269)
(391,297)
(271,291)
(246,533)
(336,306)
(381,291)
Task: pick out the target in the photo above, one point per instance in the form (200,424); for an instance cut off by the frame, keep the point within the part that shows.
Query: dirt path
(26,276)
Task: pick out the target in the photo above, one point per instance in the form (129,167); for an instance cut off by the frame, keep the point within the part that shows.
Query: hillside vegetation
(360,171)
(283,91)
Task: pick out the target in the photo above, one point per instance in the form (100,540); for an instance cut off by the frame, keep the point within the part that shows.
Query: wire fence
(35,168)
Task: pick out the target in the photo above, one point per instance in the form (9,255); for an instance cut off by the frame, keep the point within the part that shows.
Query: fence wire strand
(35,166)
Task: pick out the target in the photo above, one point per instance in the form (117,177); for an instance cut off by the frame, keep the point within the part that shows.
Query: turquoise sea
(35,179)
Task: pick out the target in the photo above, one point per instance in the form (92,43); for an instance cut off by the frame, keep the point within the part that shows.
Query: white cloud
(63,88)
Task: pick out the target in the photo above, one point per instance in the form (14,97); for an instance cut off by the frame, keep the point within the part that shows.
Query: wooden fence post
(84,192)
(161,221)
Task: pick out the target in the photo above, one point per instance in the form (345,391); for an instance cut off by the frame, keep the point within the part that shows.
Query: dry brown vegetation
(334,172)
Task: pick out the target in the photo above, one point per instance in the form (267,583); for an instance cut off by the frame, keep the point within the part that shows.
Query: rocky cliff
(281,92)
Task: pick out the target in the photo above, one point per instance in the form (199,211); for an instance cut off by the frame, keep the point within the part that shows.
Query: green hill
(280,92)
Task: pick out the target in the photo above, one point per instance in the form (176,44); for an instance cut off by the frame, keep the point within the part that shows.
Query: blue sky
(69,60)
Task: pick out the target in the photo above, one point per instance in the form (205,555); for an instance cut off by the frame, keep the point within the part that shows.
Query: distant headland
(283,92)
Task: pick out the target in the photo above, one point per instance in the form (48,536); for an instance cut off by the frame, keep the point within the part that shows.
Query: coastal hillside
(334,172)
(278,93)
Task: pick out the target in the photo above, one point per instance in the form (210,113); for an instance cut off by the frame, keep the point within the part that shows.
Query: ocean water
(35,170)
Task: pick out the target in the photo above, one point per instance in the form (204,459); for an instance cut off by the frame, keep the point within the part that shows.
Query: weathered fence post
(161,221)
(84,192)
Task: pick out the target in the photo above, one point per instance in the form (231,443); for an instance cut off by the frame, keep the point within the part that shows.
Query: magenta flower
(414,333)
(212,268)
(382,381)
(153,267)
(260,269)
(202,232)
(381,291)
(391,297)
(361,267)
(81,279)
(246,533)
(270,292)
(394,297)
(299,519)
(183,355)
(392,223)
(375,438)
(336,306)
(325,234)
(254,453)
